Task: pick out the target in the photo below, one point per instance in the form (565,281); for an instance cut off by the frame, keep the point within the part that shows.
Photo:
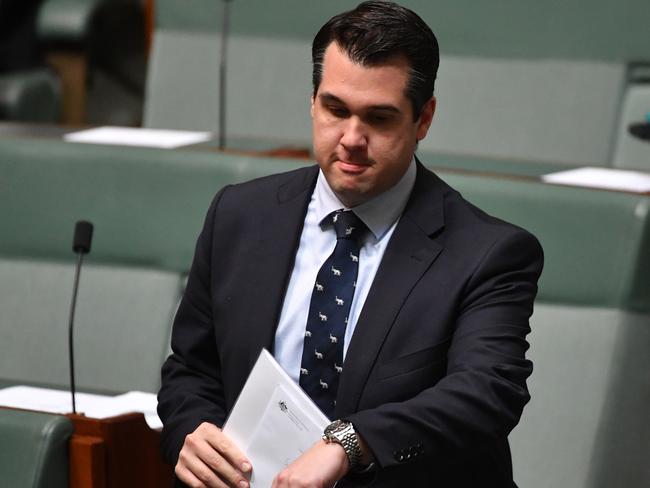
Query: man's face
(363,130)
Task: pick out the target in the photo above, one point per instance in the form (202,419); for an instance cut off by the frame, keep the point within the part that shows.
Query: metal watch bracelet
(343,433)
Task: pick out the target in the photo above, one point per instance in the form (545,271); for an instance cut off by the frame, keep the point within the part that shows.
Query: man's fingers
(201,463)
(220,465)
(221,443)
(186,476)
(206,476)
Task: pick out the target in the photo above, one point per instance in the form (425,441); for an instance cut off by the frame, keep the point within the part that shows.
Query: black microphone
(83,235)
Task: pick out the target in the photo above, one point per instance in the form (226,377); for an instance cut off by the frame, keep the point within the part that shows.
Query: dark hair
(376,31)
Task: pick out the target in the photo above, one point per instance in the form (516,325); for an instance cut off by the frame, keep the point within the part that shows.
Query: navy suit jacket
(435,373)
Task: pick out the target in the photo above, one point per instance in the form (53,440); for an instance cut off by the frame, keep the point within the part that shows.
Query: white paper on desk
(48,400)
(91,405)
(132,136)
(606,178)
(137,401)
(268,434)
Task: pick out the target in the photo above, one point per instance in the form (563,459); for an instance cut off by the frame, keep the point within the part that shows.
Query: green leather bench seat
(33,449)
(147,204)
(587,423)
(596,243)
(147,207)
(488,165)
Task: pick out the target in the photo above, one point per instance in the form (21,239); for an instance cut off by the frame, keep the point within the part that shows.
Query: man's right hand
(209,459)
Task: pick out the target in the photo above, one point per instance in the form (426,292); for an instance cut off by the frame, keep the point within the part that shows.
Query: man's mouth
(352,166)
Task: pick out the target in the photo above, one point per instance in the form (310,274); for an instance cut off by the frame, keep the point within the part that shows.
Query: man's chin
(351,195)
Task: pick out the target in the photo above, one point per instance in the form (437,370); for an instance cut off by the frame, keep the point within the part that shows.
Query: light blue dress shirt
(317,242)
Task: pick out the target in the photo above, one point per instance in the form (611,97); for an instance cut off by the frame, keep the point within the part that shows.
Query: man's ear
(311,107)
(426,117)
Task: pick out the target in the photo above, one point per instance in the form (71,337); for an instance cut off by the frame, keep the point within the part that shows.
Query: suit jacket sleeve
(474,406)
(192,388)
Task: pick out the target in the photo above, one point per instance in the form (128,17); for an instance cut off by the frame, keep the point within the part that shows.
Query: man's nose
(354,135)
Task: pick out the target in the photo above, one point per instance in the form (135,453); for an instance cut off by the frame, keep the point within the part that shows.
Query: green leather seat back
(586,425)
(147,204)
(33,449)
(182,91)
(596,243)
(121,327)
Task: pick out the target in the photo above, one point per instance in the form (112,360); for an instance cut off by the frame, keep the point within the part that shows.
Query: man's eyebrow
(330,98)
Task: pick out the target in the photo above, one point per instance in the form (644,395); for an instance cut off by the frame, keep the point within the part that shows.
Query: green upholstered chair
(33,449)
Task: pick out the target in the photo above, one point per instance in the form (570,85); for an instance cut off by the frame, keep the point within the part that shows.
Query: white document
(606,178)
(132,136)
(135,401)
(273,421)
(93,406)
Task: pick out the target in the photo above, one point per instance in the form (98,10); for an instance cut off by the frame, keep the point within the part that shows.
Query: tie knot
(347,224)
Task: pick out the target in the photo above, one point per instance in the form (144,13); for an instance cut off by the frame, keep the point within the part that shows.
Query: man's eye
(337,111)
(379,119)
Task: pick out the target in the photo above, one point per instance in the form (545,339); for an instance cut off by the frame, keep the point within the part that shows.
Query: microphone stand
(83,234)
(73,306)
(223,61)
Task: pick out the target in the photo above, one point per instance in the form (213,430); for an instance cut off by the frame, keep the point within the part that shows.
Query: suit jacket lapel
(275,253)
(410,252)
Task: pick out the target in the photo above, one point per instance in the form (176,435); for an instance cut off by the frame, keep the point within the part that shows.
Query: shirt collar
(379,213)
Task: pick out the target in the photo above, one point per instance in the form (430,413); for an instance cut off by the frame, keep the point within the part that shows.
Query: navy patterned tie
(322,356)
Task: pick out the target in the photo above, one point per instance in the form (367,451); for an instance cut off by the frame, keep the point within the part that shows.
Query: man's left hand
(320,467)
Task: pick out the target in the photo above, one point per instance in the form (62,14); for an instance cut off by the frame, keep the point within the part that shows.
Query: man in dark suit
(431,361)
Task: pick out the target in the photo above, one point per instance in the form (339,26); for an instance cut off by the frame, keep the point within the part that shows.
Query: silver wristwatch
(343,433)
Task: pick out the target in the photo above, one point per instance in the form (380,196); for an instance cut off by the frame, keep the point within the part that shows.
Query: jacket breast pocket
(430,358)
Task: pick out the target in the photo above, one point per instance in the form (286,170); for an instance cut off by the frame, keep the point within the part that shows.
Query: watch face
(334,427)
